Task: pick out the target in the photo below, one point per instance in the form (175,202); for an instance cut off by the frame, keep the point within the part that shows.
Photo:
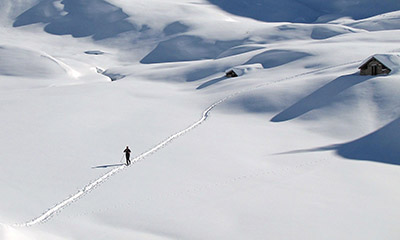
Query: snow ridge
(60,206)
(69,70)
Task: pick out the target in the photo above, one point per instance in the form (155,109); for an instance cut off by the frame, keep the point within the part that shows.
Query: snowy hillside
(298,146)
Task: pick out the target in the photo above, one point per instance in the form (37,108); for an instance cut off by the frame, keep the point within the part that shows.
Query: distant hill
(306,11)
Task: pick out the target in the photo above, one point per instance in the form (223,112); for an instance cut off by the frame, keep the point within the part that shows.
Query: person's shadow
(108,166)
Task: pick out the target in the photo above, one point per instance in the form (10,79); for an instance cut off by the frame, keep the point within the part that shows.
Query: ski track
(89,187)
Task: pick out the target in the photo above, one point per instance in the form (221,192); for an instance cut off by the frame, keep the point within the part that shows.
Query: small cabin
(243,69)
(379,64)
(230,73)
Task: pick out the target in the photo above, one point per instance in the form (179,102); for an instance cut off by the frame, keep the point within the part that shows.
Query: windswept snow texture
(305,11)
(96,18)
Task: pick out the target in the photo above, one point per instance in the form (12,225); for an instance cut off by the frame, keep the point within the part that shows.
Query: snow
(299,146)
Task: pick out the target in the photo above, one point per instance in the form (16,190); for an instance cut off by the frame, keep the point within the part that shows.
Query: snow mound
(390,21)
(275,58)
(239,50)
(187,48)
(19,62)
(328,31)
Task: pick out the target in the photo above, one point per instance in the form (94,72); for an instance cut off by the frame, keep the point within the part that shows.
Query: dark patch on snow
(113,76)
(94,52)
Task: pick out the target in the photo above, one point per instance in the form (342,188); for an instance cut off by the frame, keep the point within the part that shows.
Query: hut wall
(374,67)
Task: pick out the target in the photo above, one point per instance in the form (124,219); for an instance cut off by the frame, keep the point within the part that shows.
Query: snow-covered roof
(242,69)
(390,60)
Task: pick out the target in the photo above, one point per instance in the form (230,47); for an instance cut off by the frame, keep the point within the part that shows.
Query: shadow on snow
(320,98)
(305,11)
(108,166)
(381,146)
(96,18)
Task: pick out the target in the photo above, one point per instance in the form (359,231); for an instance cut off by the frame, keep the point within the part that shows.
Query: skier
(127,152)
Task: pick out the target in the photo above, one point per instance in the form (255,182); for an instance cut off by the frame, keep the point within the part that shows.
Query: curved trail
(58,207)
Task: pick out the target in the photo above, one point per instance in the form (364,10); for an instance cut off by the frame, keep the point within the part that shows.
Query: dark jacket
(127,151)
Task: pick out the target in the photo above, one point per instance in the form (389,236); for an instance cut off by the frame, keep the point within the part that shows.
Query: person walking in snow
(127,152)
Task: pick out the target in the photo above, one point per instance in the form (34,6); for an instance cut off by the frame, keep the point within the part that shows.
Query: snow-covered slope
(306,10)
(299,146)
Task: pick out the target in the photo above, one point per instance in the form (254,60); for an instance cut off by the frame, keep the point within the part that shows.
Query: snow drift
(15,61)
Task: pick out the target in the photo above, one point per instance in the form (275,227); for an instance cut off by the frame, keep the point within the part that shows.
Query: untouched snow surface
(299,146)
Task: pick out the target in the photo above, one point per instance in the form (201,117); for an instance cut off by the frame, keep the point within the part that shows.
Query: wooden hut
(242,69)
(231,73)
(380,64)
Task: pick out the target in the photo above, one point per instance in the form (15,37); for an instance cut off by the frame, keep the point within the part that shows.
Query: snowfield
(298,146)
